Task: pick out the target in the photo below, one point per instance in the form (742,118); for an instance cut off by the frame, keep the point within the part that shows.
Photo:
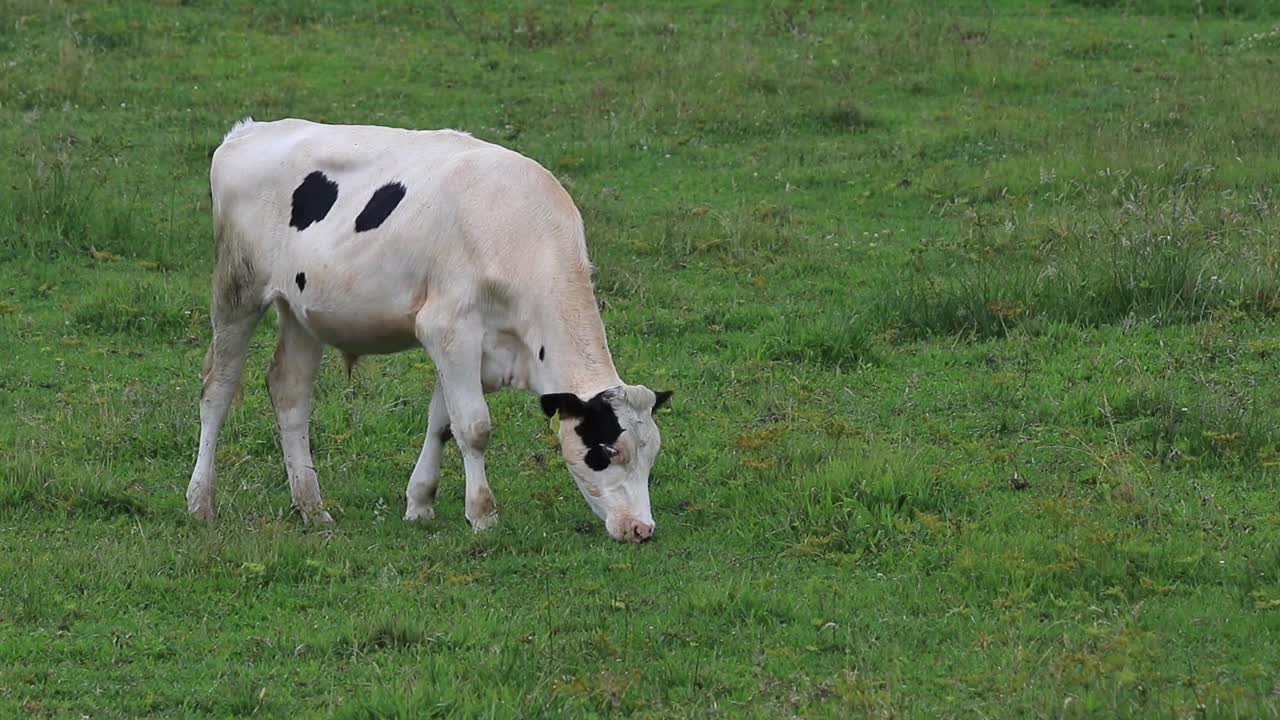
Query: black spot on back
(542,354)
(312,200)
(384,200)
(301,279)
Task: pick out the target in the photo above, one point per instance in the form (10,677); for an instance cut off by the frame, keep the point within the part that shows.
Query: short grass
(971,311)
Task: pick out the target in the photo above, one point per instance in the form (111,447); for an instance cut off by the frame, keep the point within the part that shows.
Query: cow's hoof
(201,510)
(484,522)
(317,517)
(424,512)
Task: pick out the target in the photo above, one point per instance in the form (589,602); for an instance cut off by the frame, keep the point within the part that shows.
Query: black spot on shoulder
(312,200)
(542,354)
(301,279)
(384,200)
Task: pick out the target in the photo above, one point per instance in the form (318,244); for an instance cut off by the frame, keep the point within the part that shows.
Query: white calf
(376,240)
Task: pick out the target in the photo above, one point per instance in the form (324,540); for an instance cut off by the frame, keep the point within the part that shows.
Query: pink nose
(629,529)
(641,532)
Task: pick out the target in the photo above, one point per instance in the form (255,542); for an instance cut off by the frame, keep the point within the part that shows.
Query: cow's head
(610,442)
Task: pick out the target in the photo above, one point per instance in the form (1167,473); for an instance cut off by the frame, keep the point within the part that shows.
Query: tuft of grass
(29,484)
(1201,8)
(60,211)
(1164,256)
(130,316)
(392,632)
(844,116)
(1180,427)
(828,340)
(731,235)
(241,696)
(113,28)
(859,502)
(527,29)
(981,302)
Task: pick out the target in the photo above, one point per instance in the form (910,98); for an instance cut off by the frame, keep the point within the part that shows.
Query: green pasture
(972,311)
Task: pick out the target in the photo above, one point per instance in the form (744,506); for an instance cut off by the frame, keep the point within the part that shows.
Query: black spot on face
(312,200)
(384,200)
(301,279)
(597,424)
(598,457)
(542,354)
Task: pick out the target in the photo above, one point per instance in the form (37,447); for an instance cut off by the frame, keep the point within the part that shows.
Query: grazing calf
(376,240)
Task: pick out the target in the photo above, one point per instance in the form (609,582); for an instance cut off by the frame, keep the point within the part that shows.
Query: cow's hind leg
(233,324)
(420,496)
(454,341)
(290,382)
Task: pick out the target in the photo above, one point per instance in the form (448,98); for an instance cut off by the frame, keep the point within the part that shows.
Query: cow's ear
(569,405)
(663,397)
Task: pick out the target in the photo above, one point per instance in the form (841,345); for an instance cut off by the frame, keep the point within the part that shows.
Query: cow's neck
(577,356)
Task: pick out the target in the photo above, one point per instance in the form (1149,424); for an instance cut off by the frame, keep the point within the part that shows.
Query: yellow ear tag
(554,423)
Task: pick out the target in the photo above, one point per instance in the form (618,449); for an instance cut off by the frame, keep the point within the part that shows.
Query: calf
(376,240)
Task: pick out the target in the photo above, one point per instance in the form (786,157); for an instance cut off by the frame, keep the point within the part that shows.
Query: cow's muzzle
(631,530)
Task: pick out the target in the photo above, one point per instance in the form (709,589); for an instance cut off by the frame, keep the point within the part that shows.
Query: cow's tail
(240,127)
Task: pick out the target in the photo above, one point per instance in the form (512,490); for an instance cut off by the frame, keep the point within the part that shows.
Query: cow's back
(264,162)
(351,222)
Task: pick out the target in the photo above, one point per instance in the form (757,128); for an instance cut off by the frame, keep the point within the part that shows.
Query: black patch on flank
(384,200)
(446,433)
(312,200)
(542,354)
(301,279)
(598,424)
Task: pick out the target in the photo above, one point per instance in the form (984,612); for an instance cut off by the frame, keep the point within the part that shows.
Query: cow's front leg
(454,342)
(420,496)
(290,382)
(473,438)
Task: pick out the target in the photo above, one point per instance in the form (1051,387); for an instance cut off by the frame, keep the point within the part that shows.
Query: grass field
(971,310)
